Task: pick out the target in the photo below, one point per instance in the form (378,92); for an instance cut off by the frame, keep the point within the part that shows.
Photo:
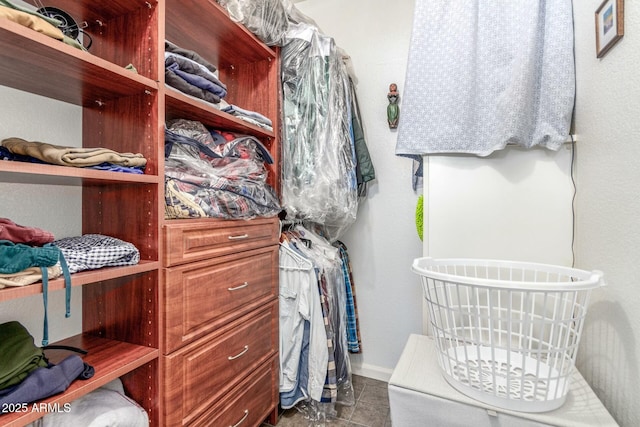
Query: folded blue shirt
(44,382)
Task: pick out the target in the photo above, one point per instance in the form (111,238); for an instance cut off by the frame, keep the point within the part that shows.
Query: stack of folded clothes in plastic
(210,173)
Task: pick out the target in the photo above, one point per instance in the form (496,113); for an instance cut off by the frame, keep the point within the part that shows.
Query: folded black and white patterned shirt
(92,251)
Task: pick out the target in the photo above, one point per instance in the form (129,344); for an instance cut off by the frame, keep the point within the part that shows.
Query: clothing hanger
(307,264)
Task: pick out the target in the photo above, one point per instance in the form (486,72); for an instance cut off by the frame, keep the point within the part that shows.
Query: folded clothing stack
(210,173)
(188,72)
(249,116)
(18,149)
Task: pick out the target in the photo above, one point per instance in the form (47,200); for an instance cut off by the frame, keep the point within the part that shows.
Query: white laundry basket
(507,333)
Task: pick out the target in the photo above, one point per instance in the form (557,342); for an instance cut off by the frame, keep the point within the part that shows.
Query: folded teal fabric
(15,257)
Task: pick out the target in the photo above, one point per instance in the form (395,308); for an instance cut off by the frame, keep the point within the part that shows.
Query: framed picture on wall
(609,25)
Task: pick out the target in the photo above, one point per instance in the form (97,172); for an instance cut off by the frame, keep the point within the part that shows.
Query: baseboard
(371,371)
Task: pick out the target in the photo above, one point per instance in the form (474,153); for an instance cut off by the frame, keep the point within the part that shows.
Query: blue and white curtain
(485,73)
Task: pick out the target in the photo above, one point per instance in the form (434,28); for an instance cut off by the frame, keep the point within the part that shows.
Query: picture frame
(609,25)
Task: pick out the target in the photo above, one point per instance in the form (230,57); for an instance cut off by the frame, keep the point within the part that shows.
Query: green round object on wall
(419,219)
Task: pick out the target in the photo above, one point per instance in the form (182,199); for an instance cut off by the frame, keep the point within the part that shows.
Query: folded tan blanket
(37,22)
(72,156)
(31,21)
(29,276)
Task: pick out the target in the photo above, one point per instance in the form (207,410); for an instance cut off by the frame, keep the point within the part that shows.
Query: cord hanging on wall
(68,26)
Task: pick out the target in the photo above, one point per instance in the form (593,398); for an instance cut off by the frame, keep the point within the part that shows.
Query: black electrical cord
(573,203)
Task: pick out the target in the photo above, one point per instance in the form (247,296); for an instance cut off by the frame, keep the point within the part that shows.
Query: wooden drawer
(194,240)
(202,296)
(249,403)
(196,376)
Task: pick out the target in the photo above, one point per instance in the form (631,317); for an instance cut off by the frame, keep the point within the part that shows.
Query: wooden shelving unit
(220,277)
(110,359)
(72,75)
(79,279)
(124,308)
(120,319)
(178,105)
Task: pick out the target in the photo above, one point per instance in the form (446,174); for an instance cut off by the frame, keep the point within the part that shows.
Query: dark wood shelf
(104,11)
(125,111)
(79,279)
(110,359)
(35,173)
(179,105)
(41,65)
(226,43)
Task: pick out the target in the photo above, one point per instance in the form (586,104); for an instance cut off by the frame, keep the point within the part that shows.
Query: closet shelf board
(182,106)
(103,11)
(227,42)
(41,65)
(78,279)
(34,173)
(110,359)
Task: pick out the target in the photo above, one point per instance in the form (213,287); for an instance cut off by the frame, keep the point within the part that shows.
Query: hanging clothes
(353,331)
(319,182)
(299,309)
(365,172)
(310,262)
(482,75)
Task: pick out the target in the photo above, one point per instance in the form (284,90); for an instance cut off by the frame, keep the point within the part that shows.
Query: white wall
(608,206)
(56,208)
(383,242)
(474,205)
(514,204)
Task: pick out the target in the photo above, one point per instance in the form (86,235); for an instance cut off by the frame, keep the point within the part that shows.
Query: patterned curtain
(485,73)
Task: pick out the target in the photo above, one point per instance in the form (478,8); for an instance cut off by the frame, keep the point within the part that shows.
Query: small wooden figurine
(393,110)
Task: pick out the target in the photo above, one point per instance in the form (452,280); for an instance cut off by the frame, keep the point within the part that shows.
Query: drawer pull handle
(246,414)
(239,237)
(244,285)
(246,348)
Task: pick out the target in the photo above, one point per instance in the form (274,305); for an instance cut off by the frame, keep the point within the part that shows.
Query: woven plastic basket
(507,333)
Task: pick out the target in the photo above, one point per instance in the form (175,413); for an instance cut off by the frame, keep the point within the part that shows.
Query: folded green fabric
(18,354)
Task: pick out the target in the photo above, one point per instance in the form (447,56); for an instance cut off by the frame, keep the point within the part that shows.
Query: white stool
(419,397)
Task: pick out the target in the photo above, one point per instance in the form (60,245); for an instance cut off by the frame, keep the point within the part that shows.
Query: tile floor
(370,410)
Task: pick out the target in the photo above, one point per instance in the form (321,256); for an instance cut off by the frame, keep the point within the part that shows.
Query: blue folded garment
(241,112)
(44,382)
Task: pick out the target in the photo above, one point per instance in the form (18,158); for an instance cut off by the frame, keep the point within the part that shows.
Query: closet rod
(290,221)
(572,139)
